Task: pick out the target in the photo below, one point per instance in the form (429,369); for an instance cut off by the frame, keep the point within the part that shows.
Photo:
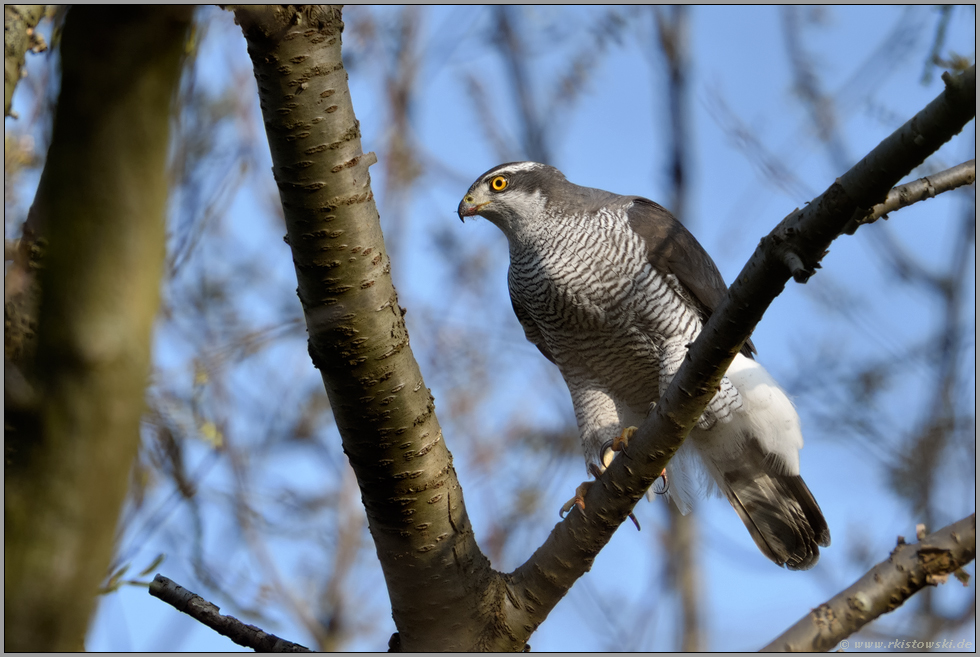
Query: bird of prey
(613,289)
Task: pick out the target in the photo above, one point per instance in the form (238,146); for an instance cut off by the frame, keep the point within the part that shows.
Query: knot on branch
(781,246)
(961,85)
(800,272)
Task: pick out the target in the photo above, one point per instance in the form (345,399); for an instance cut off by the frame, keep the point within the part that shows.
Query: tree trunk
(101,204)
(437,577)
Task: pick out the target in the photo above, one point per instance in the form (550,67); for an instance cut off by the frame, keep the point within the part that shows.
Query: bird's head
(510,194)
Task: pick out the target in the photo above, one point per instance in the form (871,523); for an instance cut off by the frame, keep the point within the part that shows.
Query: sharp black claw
(635,521)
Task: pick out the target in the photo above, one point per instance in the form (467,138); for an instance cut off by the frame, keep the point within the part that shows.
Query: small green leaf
(153,566)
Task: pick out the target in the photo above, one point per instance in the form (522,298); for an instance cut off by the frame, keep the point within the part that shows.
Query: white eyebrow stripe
(517,167)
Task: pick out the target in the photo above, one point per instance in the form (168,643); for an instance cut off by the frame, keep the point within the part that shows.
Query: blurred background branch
(240,480)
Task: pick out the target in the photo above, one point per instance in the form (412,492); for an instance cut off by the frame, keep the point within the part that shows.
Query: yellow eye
(498,184)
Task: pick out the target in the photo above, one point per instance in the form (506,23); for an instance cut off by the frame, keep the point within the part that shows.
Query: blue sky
(614,139)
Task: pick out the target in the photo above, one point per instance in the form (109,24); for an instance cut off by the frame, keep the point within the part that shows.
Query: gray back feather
(671,248)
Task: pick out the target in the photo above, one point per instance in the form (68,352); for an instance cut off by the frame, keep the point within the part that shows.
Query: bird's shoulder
(672,249)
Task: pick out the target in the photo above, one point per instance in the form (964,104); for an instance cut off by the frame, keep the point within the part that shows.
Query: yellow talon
(620,442)
(578,500)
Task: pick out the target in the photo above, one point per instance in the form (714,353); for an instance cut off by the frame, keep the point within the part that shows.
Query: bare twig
(511,49)
(674,42)
(488,119)
(919,190)
(909,568)
(806,84)
(207,613)
(939,40)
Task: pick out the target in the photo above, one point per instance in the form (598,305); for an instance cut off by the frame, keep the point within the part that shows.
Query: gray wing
(673,249)
(531,331)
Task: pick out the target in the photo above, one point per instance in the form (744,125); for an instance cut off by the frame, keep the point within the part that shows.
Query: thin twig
(919,190)
(207,613)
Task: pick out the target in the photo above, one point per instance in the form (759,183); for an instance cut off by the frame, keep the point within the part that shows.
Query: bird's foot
(578,500)
(617,444)
(620,442)
(583,488)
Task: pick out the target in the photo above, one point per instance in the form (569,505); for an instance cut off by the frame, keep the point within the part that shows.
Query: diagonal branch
(795,247)
(208,613)
(907,570)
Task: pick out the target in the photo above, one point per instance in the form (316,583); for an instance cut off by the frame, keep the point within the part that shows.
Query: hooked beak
(468,207)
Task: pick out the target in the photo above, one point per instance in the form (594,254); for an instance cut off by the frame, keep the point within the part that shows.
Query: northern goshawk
(613,289)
